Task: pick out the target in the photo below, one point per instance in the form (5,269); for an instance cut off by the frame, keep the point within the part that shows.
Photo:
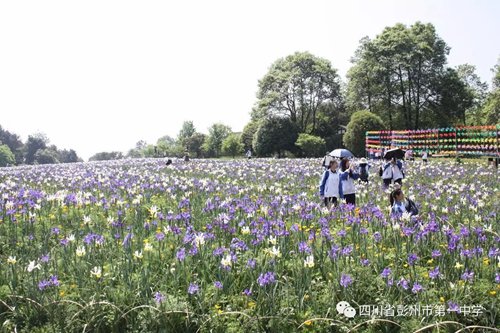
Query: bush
(361,122)
(275,135)
(310,145)
(6,156)
(231,146)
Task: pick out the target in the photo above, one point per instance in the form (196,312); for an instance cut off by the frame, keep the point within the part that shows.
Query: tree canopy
(295,87)
(401,75)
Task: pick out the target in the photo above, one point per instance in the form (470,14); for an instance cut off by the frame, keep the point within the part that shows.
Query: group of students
(339,183)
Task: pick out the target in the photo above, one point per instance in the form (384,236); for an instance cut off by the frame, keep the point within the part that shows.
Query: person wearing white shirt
(330,186)
(397,171)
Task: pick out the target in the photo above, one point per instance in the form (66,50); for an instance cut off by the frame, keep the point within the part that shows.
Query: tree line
(36,150)
(398,80)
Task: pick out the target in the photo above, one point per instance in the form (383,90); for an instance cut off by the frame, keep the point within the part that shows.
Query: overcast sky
(101,75)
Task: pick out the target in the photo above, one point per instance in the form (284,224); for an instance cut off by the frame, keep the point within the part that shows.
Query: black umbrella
(397,153)
(341,153)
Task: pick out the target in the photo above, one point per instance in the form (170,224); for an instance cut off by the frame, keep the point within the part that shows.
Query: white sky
(100,75)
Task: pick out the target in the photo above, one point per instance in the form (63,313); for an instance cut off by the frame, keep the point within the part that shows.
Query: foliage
(491,110)
(105,156)
(275,135)
(186,132)
(401,76)
(310,145)
(167,146)
(13,142)
(332,118)
(248,133)
(6,156)
(231,146)
(195,144)
(46,156)
(216,135)
(295,87)
(35,142)
(361,122)
(478,91)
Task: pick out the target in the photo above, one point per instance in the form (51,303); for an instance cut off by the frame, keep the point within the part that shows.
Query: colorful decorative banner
(465,140)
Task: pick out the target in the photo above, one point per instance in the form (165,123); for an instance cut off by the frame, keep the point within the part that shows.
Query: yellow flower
(308,323)
(11,260)
(493,292)
(441,299)
(430,261)
(486,261)
(251,305)
(148,247)
(458,265)
(62,293)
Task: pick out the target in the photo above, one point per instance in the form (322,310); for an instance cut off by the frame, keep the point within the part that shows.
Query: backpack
(363,172)
(411,207)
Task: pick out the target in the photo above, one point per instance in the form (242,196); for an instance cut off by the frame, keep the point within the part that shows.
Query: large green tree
(401,76)
(6,156)
(232,146)
(361,122)
(186,132)
(275,136)
(491,110)
(13,142)
(216,135)
(477,90)
(295,87)
(248,133)
(34,143)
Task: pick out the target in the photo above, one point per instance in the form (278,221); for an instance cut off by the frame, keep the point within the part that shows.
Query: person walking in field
(330,186)
(397,171)
(385,171)
(363,170)
(349,175)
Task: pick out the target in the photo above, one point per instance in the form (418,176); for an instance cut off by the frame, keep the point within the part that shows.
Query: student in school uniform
(400,204)
(330,186)
(385,172)
(397,171)
(349,175)
(363,170)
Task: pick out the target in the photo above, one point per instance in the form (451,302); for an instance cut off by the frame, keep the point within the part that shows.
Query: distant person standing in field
(349,175)
(425,155)
(363,170)
(249,154)
(330,186)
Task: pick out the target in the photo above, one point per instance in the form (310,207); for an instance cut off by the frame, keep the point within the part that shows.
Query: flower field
(244,246)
